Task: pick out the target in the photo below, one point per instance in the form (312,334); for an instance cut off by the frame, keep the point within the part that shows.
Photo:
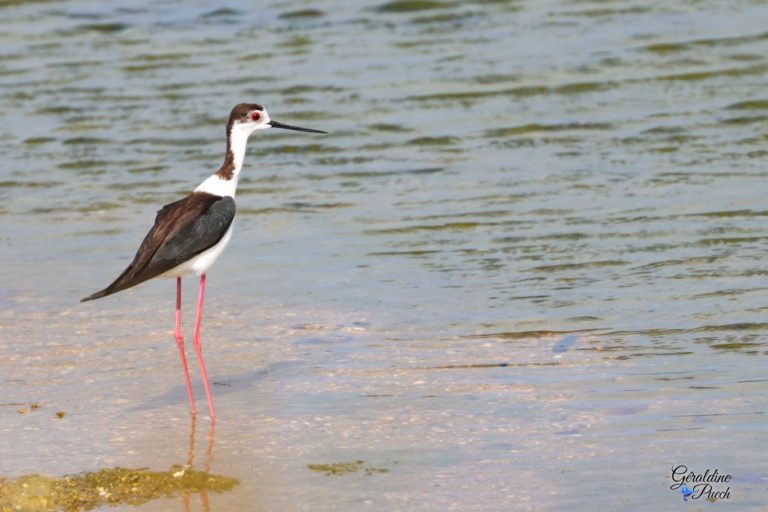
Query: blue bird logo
(685,491)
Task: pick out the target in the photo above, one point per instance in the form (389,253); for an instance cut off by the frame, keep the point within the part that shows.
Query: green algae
(412,5)
(303,13)
(38,140)
(115,486)
(345,468)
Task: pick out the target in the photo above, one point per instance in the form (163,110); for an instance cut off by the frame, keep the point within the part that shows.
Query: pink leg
(198,348)
(180,344)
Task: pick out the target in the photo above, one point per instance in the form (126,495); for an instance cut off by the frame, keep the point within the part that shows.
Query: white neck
(215,184)
(237,142)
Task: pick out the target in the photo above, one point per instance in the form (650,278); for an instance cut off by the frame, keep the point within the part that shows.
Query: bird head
(253,116)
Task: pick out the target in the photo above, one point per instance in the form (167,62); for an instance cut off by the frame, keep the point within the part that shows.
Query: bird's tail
(98,295)
(126,280)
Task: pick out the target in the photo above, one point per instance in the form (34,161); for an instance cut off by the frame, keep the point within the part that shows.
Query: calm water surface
(525,271)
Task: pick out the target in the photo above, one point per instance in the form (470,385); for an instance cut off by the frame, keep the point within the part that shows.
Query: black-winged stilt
(190,234)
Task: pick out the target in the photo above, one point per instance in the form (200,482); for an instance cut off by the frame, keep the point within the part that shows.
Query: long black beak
(275,124)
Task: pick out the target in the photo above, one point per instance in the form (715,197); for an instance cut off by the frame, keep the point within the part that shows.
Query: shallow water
(524,271)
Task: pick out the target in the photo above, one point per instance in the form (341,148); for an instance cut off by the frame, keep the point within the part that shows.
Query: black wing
(182,230)
(197,236)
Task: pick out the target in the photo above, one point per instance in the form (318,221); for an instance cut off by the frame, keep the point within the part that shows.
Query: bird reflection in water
(185,497)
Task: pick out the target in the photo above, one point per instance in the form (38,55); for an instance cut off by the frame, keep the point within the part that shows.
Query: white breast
(219,187)
(202,262)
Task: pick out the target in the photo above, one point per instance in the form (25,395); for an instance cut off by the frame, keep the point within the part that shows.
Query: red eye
(255,116)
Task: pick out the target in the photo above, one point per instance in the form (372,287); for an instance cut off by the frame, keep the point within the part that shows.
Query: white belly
(202,262)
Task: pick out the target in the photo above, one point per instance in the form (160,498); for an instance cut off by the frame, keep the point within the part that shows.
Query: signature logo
(709,484)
